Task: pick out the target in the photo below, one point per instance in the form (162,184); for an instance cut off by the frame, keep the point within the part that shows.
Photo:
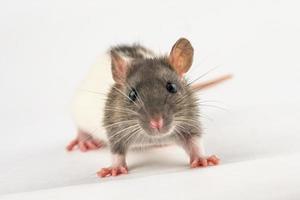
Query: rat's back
(89,100)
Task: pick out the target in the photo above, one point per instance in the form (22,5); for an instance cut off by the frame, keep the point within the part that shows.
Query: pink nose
(156,123)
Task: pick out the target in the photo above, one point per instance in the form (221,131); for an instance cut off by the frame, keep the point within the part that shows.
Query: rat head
(153,89)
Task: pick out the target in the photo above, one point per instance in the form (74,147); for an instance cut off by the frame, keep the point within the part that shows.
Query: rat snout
(156,123)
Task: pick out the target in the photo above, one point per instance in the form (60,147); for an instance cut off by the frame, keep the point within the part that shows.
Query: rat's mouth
(157,126)
(162,132)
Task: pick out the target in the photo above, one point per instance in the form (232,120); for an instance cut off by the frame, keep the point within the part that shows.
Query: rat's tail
(205,85)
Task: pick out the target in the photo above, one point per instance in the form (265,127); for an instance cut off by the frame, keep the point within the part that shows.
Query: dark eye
(132,95)
(171,87)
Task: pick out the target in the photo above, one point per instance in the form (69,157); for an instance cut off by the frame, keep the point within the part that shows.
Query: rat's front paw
(204,161)
(112,171)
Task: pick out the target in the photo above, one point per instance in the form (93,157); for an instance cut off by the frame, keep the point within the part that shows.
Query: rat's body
(153,101)
(149,103)
(88,103)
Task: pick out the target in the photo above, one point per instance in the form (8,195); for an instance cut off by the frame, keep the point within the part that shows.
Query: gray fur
(149,77)
(134,51)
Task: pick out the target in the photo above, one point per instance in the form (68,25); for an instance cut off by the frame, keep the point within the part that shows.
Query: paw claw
(82,146)
(205,161)
(72,144)
(123,170)
(84,142)
(195,164)
(91,145)
(112,171)
(213,160)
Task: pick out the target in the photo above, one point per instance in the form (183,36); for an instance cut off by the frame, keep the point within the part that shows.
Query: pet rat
(134,98)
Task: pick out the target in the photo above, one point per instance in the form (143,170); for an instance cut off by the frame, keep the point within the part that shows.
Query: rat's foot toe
(112,171)
(85,142)
(213,160)
(205,161)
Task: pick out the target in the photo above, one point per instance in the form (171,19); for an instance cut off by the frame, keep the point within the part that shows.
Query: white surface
(251,180)
(47,46)
(234,139)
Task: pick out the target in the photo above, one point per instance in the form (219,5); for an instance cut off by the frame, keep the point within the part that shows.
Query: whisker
(184,129)
(139,99)
(209,71)
(201,61)
(214,106)
(187,119)
(186,122)
(179,134)
(125,96)
(133,134)
(182,97)
(128,133)
(121,122)
(122,130)
(122,110)
(93,92)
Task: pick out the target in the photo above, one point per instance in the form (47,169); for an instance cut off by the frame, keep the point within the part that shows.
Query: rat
(134,98)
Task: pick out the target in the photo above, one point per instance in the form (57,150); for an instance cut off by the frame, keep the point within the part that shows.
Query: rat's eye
(132,95)
(171,87)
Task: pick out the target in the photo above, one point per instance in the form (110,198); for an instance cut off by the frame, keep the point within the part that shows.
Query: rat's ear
(181,56)
(118,67)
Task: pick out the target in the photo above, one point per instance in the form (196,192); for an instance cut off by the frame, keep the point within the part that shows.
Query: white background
(46,48)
